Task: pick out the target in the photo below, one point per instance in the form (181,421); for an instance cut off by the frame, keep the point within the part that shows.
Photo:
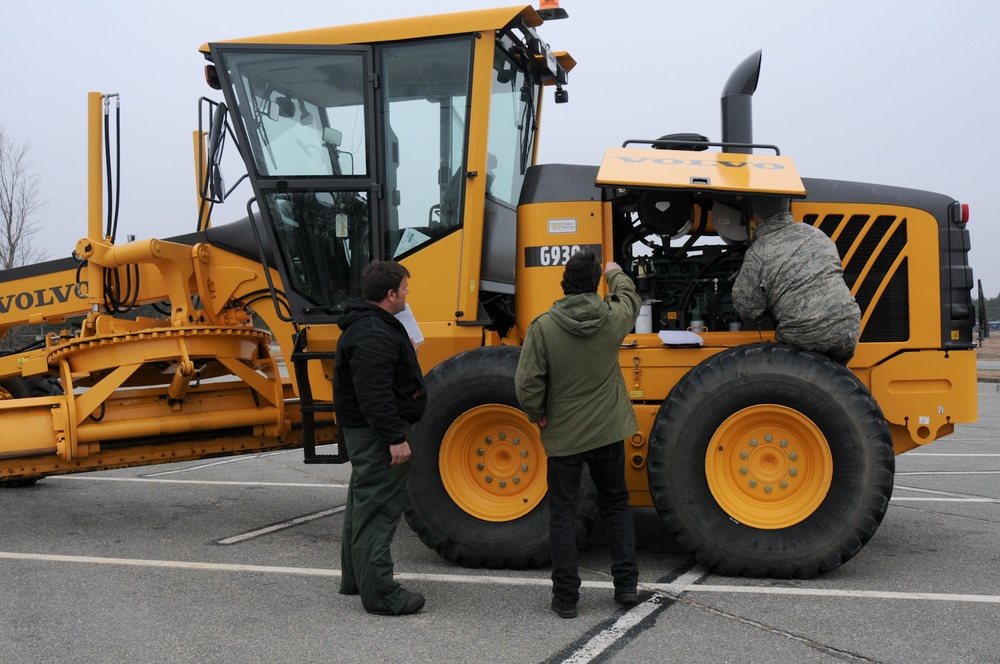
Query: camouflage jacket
(793,271)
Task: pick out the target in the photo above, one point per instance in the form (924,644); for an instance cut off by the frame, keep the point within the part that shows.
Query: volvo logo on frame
(43,297)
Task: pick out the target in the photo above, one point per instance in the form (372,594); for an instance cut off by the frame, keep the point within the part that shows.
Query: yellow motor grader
(416,140)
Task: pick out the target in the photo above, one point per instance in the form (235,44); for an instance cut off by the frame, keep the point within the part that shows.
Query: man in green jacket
(568,381)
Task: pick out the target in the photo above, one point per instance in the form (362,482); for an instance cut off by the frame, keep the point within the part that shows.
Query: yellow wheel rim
(492,463)
(769,466)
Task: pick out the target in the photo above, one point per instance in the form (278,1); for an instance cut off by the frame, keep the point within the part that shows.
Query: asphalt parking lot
(236,560)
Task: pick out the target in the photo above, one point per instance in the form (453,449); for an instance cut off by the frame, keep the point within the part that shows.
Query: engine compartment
(682,266)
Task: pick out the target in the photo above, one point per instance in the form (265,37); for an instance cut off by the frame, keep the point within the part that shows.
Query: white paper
(409,321)
(411,238)
(680,338)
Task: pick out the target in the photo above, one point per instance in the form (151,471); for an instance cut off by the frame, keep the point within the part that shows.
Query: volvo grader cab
(416,140)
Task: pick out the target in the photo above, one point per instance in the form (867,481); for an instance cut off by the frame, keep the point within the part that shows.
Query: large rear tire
(477,487)
(767,460)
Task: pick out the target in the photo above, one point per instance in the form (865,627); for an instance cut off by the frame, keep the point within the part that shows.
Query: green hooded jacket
(569,373)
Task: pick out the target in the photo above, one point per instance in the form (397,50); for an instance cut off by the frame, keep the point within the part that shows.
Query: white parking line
(613,633)
(942,496)
(914,499)
(236,539)
(310,485)
(169,564)
(609,636)
(671,589)
(203,465)
(856,594)
(948,454)
(948,472)
(234,459)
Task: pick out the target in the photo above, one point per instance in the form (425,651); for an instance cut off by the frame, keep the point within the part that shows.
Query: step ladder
(309,406)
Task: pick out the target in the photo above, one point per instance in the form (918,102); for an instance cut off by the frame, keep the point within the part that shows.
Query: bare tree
(20,202)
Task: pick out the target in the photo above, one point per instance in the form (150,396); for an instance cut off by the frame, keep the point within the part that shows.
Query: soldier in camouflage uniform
(793,271)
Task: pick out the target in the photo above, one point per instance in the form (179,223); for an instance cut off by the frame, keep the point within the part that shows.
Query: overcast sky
(901,92)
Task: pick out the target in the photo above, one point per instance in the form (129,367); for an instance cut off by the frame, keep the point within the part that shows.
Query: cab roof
(399,29)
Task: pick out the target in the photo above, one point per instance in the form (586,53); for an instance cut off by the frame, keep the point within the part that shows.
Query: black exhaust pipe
(737,104)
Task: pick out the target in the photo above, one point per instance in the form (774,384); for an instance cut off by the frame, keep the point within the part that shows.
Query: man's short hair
(582,273)
(766,207)
(380,277)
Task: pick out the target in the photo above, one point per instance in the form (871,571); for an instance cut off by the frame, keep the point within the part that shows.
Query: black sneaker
(563,610)
(414,603)
(627,597)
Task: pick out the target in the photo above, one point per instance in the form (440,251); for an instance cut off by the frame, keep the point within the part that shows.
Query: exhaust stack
(737,104)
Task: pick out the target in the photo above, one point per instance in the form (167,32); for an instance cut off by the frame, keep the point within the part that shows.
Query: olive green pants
(375,500)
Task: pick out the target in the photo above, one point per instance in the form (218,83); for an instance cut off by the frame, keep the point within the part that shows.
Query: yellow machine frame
(203,381)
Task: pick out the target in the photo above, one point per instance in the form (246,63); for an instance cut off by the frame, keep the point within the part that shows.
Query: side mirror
(333,136)
(216,142)
(984,321)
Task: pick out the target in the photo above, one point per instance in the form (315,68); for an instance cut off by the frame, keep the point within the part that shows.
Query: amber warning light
(549,10)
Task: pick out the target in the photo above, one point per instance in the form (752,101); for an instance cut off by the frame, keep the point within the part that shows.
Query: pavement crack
(770,629)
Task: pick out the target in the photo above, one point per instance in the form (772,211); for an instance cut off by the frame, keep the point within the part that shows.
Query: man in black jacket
(378,394)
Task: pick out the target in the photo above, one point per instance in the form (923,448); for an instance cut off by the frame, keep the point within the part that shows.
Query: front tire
(477,487)
(767,460)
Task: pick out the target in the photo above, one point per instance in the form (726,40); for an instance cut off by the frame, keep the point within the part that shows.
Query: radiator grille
(890,309)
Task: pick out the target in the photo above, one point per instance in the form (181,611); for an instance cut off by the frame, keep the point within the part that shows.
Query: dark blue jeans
(607,469)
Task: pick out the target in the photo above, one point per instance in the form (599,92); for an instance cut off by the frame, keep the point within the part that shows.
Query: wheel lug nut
(516,479)
(489,440)
(744,455)
(767,488)
(743,470)
(793,472)
(793,456)
(489,478)
(753,483)
(480,452)
(503,436)
(753,442)
(524,468)
(479,466)
(784,443)
(768,437)
(524,453)
(503,484)
(784,484)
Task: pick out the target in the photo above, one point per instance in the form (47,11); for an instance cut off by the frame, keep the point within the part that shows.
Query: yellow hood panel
(704,171)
